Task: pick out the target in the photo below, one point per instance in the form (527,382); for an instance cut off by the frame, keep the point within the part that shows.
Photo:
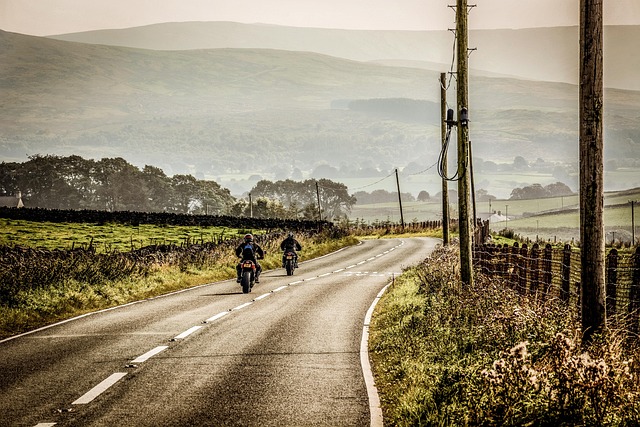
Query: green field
(106,237)
(554,218)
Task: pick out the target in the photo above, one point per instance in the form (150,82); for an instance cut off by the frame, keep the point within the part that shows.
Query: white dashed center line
(99,389)
(240,307)
(149,354)
(262,297)
(114,378)
(187,332)
(216,317)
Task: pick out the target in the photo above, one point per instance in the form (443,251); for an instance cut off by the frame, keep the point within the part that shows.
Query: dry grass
(445,354)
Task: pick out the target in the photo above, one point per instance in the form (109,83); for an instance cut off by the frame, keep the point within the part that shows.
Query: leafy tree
(334,198)
(57,182)
(119,185)
(111,184)
(483,195)
(423,196)
(77,173)
(310,212)
(519,163)
(559,189)
(185,187)
(210,197)
(537,191)
(9,173)
(158,190)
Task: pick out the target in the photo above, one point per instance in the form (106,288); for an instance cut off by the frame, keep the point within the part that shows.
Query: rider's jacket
(249,250)
(290,244)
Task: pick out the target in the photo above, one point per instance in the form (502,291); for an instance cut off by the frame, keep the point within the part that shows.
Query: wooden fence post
(634,293)
(513,265)
(566,273)
(478,255)
(533,266)
(612,281)
(522,268)
(506,250)
(546,275)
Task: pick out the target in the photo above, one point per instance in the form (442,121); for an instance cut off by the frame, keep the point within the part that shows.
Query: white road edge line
(99,389)
(374,400)
(187,333)
(282,288)
(216,317)
(149,354)
(324,275)
(45,424)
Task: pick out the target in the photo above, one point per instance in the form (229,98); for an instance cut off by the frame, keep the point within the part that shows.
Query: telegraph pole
(592,237)
(445,185)
(464,175)
(633,224)
(319,207)
(399,199)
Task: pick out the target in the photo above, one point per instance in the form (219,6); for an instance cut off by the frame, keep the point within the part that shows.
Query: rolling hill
(545,54)
(228,113)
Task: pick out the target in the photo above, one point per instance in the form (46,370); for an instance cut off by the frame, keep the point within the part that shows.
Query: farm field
(105,238)
(549,219)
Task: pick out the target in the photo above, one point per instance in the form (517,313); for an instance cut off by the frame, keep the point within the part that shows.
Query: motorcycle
(290,262)
(248,275)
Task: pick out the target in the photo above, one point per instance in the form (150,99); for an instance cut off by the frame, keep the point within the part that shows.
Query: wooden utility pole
(445,184)
(399,199)
(319,207)
(592,238)
(633,224)
(464,175)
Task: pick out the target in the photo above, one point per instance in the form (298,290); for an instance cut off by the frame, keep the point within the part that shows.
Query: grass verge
(41,306)
(484,355)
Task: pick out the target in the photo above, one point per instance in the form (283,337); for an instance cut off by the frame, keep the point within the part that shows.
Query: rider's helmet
(248,238)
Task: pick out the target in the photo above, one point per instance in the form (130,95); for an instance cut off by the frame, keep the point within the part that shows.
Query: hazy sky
(47,17)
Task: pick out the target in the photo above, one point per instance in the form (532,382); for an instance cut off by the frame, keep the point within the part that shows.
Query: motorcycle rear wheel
(290,266)
(246,282)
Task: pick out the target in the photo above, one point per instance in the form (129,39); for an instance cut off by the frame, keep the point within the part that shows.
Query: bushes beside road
(485,355)
(40,286)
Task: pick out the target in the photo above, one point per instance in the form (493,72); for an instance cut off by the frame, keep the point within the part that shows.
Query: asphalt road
(288,354)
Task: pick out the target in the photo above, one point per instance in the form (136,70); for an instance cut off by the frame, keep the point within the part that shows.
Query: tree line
(110,184)
(537,191)
(113,184)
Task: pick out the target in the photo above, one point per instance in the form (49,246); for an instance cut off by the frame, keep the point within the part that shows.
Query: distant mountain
(546,54)
(224,113)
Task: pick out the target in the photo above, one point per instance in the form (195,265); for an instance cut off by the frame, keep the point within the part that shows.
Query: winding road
(287,354)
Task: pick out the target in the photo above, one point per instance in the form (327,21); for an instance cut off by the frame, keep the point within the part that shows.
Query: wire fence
(553,272)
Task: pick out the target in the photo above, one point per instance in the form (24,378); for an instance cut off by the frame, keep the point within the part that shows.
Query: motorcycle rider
(290,244)
(249,250)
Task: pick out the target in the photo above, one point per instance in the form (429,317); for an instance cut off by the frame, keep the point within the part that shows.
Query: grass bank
(450,355)
(38,306)
(105,237)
